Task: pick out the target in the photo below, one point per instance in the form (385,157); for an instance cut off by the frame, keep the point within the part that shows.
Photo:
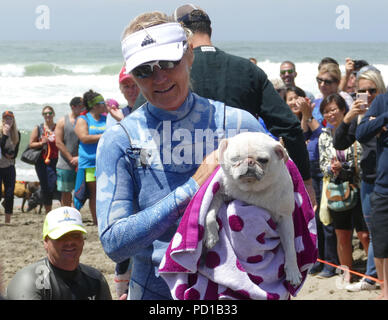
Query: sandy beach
(21,244)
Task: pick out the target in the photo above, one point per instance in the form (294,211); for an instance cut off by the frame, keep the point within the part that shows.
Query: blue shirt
(87,151)
(139,206)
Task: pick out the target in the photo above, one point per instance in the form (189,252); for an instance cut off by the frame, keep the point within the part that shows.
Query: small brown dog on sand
(23,189)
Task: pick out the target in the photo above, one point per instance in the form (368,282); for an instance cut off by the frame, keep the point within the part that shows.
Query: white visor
(165,41)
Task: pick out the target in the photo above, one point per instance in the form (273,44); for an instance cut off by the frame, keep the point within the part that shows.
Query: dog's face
(34,200)
(251,160)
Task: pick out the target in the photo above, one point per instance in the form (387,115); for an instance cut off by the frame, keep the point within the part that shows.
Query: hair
(75,101)
(333,70)
(88,96)
(14,134)
(289,62)
(145,20)
(337,99)
(298,91)
(200,26)
(375,77)
(326,60)
(48,107)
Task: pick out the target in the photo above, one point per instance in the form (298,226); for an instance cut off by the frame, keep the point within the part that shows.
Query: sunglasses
(371,90)
(289,71)
(146,70)
(326,82)
(49,113)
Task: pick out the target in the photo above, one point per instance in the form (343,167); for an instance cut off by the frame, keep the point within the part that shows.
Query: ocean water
(35,74)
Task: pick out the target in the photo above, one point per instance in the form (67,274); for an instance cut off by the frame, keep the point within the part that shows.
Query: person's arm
(344,136)
(59,142)
(35,142)
(82,131)
(25,285)
(281,122)
(349,68)
(123,229)
(325,154)
(374,120)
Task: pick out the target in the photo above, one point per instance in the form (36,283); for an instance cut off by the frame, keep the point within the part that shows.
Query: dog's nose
(251,162)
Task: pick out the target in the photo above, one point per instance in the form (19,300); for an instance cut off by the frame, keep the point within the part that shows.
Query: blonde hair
(14,134)
(149,19)
(375,77)
(332,69)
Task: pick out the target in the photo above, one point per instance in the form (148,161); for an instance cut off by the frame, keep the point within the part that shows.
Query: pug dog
(254,171)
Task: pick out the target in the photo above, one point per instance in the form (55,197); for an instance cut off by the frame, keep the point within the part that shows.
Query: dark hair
(289,62)
(337,99)
(198,24)
(298,91)
(89,96)
(358,64)
(326,60)
(76,101)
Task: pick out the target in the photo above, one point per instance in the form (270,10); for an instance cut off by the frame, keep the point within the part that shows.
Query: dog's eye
(262,160)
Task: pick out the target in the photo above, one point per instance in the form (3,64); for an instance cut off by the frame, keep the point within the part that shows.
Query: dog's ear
(221,149)
(281,152)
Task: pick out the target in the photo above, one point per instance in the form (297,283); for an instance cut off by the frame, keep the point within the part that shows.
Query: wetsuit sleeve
(25,285)
(281,122)
(123,229)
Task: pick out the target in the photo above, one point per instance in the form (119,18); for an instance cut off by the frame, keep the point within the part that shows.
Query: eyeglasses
(326,82)
(49,113)
(146,70)
(370,90)
(330,111)
(289,71)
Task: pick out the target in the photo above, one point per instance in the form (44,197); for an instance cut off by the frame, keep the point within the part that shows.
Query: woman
(368,80)
(9,145)
(130,91)
(145,185)
(374,124)
(328,79)
(43,137)
(89,128)
(332,164)
(327,241)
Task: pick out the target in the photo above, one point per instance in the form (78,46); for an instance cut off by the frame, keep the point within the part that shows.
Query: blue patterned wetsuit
(139,218)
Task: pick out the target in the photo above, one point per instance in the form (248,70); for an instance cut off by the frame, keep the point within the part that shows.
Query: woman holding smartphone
(370,84)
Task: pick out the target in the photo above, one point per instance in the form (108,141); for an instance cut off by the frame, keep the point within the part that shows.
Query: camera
(358,64)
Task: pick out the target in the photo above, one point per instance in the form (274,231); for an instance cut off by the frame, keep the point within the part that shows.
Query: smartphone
(364,97)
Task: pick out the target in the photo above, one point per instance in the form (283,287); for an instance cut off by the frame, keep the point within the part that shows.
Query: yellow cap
(62,220)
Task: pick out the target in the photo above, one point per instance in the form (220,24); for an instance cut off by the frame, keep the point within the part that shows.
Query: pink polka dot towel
(248,260)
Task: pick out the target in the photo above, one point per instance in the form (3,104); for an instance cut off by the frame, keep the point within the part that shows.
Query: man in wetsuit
(60,276)
(238,82)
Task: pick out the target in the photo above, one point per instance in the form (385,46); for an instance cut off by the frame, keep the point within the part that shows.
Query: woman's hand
(6,128)
(208,165)
(305,106)
(358,107)
(115,112)
(336,166)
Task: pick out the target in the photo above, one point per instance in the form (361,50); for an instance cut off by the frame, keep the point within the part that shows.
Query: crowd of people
(138,190)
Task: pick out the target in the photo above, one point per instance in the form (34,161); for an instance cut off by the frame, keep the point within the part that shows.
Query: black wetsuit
(43,281)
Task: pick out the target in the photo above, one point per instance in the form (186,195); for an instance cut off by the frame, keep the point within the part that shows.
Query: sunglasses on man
(146,70)
(289,71)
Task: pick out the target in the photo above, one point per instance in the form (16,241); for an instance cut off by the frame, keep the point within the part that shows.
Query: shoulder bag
(343,196)
(32,155)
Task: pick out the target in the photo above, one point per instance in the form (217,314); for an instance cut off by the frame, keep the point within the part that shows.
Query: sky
(241,20)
